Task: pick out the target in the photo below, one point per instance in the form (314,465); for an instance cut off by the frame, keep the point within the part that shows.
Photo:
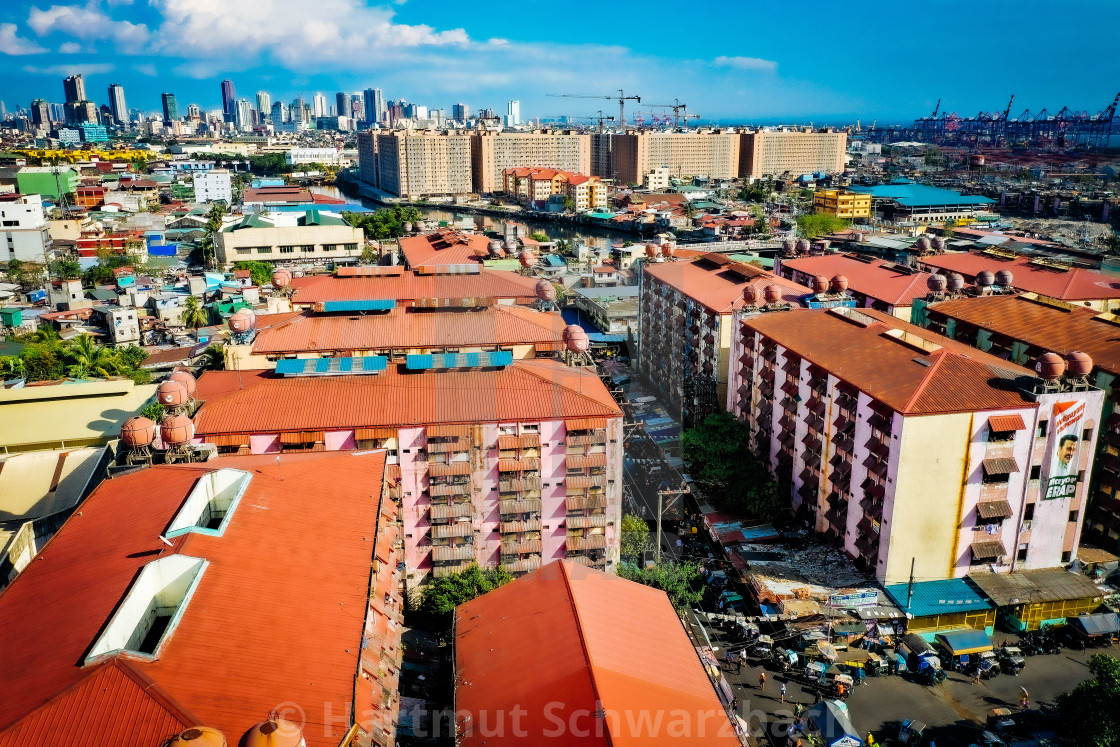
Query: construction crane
(622,98)
(677,108)
(935,110)
(590,118)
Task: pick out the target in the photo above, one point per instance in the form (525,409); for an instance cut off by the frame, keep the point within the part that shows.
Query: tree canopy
(259,272)
(47,358)
(680,581)
(1091,711)
(812,225)
(719,458)
(440,596)
(384,224)
(635,538)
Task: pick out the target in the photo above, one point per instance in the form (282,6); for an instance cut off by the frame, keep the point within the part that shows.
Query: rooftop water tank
(937,283)
(772,293)
(838,284)
(186,379)
(1078,364)
(172,394)
(138,431)
(281,279)
(1050,366)
(956,281)
(176,430)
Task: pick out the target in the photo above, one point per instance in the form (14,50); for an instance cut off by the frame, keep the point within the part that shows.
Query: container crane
(677,108)
(622,98)
(590,118)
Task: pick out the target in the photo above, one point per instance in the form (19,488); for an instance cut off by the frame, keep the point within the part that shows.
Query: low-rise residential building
(614,682)
(842,203)
(613,310)
(918,455)
(90,196)
(1020,328)
(436,287)
(211,185)
(122,322)
(313,237)
(276,196)
(495,461)
(775,152)
(904,201)
(684,341)
(537,185)
(383,328)
(23,228)
(134,631)
(874,283)
(447,246)
(1043,276)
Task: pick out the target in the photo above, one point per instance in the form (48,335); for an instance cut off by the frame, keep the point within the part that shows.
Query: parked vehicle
(763,647)
(911,732)
(1011,660)
(988,665)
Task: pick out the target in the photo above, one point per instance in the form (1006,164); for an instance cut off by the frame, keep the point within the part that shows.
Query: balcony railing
(514,508)
(441,553)
(593,542)
(458,529)
(518,526)
(584,522)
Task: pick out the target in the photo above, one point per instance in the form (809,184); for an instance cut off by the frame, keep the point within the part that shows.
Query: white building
(124,325)
(213,185)
(513,113)
(320,105)
(23,228)
(328,156)
(314,237)
(657,180)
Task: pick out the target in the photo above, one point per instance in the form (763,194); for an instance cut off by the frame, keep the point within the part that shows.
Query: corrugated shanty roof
(408,287)
(717,283)
(408,329)
(1034,587)
(910,369)
(540,389)
(910,194)
(445,247)
(1047,326)
(939,597)
(1030,274)
(574,627)
(277,615)
(874,278)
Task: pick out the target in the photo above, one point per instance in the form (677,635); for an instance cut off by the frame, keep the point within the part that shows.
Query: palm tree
(194,316)
(214,357)
(87,358)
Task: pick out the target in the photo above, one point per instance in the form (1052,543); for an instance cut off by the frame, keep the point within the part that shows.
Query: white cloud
(86,68)
(86,22)
(746,63)
(146,68)
(12,43)
(69,48)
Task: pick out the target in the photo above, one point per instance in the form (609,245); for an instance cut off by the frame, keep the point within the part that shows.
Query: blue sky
(729,61)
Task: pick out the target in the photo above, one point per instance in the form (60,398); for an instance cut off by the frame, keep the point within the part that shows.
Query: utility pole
(910,587)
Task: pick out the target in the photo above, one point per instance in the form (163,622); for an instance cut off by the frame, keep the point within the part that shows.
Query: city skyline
(438,54)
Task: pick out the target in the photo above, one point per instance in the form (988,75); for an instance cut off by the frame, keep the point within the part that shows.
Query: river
(589,235)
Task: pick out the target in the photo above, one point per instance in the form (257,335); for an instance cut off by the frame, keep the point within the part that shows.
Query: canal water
(577,234)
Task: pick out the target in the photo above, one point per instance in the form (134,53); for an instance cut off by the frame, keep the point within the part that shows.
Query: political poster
(1065,445)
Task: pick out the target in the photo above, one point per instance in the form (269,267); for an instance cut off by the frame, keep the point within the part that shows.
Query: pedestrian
(762,680)
(976,676)
(735,705)
(782,690)
(729,661)
(870,739)
(797,709)
(738,665)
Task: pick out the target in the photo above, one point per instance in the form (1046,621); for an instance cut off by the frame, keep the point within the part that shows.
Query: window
(351,247)
(1042,428)
(1036,472)
(1028,512)
(329,247)
(246,250)
(1022,552)
(1087,435)
(1072,516)
(287,249)
(264,250)
(1066,556)
(211,503)
(307,248)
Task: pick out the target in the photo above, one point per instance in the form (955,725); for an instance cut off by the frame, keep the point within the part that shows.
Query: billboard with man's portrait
(1065,445)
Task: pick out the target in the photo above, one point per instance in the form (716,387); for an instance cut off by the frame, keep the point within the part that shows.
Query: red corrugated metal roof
(527,390)
(410,328)
(446,247)
(910,369)
(720,287)
(1006,423)
(1065,284)
(273,620)
(876,279)
(410,286)
(1058,329)
(576,626)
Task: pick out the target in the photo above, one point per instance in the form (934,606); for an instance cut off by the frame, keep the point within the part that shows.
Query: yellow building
(842,204)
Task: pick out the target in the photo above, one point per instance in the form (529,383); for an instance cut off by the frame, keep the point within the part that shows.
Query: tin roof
(717,283)
(410,286)
(910,369)
(260,628)
(910,194)
(596,660)
(1058,328)
(1042,585)
(540,389)
(1047,278)
(874,278)
(445,247)
(939,597)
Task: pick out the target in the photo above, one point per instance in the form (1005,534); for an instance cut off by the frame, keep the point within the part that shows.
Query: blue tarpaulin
(369,364)
(830,718)
(420,362)
(968,641)
(1105,623)
(365,304)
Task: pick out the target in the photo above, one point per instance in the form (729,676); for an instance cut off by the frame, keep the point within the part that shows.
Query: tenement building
(494,152)
(421,163)
(916,454)
(708,153)
(794,152)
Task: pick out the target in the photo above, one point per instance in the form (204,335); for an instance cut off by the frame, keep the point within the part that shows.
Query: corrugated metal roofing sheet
(372,304)
(1037,586)
(423,361)
(597,660)
(410,286)
(1004,423)
(1068,285)
(994,510)
(720,287)
(988,549)
(369,364)
(876,279)
(968,641)
(939,597)
(1000,466)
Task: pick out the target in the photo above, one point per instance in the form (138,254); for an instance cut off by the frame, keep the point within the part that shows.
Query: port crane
(677,108)
(590,118)
(622,98)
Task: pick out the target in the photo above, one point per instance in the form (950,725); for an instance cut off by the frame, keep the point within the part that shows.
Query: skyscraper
(342,101)
(170,109)
(279,113)
(375,106)
(75,89)
(116,103)
(40,113)
(513,113)
(228,97)
(264,103)
(460,112)
(320,105)
(298,110)
(243,115)
(193,112)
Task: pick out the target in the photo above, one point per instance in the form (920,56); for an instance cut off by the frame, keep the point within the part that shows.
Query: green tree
(42,364)
(812,225)
(441,596)
(87,358)
(194,315)
(680,581)
(153,411)
(1091,711)
(635,538)
(539,236)
(214,357)
(569,204)
(948,230)
(719,458)
(66,269)
(1112,243)
(259,272)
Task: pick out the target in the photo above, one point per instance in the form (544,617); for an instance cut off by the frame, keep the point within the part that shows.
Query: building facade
(494,152)
(211,185)
(537,186)
(313,237)
(915,454)
(842,203)
(792,152)
(24,232)
(510,463)
(705,153)
(417,163)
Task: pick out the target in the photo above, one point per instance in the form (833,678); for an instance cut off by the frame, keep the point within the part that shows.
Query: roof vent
(211,503)
(151,609)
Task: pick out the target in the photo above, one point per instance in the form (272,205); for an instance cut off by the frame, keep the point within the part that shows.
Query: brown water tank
(274,733)
(820,284)
(571,329)
(527,258)
(956,281)
(668,250)
(1050,366)
(138,431)
(546,291)
(985,278)
(186,379)
(803,246)
(198,736)
(281,279)
(242,321)
(651,250)
(772,293)
(176,430)
(579,343)
(750,296)
(1078,364)
(937,243)
(937,283)
(172,394)
(838,284)
(1004,278)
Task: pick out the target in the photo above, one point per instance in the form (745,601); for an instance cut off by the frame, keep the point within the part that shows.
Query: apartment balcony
(518,526)
(522,565)
(517,508)
(526,441)
(520,484)
(593,542)
(586,522)
(586,461)
(447,531)
(436,469)
(451,511)
(449,569)
(439,490)
(449,553)
(597,561)
(447,447)
(523,547)
(586,439)
(583,482)
(584,502)
(519,465)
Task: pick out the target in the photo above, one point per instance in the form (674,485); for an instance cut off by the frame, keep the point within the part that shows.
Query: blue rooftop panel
(369,364)
(939,597)
(910,194)
(369,304)
(421,362)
